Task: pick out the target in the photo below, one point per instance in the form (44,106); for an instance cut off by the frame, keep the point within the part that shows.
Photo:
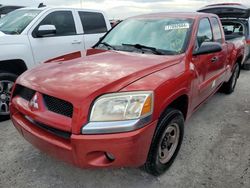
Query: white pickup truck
(30,36)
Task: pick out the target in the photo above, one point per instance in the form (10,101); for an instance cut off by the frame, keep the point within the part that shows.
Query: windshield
(15,22)
(168,36)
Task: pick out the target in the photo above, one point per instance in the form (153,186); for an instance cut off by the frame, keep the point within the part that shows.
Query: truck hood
(88,77)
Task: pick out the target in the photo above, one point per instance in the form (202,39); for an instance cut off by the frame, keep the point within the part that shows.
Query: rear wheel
(7,81)
(229,86)
(166,142)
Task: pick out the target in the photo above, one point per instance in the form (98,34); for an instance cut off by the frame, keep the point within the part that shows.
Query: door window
(204,32)
(93,22)
(62,20)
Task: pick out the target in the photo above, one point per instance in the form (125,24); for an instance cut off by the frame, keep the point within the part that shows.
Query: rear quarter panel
(236,52)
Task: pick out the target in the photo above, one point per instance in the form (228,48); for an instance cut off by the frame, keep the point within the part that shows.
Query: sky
(120,9)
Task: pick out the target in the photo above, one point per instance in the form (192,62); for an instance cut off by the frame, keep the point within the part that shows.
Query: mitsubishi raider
(125,102)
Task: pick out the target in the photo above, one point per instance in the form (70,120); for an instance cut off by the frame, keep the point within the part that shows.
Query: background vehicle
(30,36)
(5,9)
(126,104)
(235,19)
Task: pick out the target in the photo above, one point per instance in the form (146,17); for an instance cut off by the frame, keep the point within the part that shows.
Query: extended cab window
(93,22)
(62,20)
(204,32)
(216,29)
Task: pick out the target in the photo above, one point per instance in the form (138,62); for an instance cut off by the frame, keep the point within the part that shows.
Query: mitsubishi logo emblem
(34,103)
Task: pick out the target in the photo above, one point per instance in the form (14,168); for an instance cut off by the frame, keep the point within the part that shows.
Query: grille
(53,104)
(24,92)
(58,106)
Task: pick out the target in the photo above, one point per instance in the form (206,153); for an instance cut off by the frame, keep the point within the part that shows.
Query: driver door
(208,66)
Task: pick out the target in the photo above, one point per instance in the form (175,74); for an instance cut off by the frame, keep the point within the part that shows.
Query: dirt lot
(215,153)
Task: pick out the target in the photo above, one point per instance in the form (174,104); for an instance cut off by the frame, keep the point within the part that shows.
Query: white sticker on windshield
(177,26)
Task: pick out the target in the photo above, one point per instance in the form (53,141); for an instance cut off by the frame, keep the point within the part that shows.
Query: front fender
(168,84)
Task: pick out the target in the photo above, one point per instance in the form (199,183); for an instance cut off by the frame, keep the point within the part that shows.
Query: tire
(157,163)
(229,86)
(6,82)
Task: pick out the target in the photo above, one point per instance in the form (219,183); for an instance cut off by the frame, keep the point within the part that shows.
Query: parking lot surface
(215,153)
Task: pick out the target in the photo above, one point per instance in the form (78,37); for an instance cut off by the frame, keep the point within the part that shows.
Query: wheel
(166,142)
(229,86)
(7,81)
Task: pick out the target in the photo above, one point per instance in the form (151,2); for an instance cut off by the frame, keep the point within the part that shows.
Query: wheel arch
(239,61)
(15,66)
(179,103)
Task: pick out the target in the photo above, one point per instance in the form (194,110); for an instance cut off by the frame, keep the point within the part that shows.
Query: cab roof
(191,15)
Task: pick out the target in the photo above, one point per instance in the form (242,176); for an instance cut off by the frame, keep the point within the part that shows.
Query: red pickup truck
(124,104)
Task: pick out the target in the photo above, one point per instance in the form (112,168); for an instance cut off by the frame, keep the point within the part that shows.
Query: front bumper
(129,149)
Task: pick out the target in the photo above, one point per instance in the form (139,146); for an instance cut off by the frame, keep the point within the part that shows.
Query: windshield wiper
(152,49)
(107,45)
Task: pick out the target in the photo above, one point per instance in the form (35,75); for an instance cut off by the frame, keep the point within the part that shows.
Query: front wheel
(166,142)
(7,81)
(229,86)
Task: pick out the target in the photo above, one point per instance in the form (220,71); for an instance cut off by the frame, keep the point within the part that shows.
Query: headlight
(122,106)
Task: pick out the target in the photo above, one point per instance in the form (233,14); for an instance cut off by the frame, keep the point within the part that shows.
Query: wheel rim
(5,93)
(235,76)
(168,143)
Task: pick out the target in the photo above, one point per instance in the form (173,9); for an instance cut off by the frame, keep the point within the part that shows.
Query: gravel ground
(215,153)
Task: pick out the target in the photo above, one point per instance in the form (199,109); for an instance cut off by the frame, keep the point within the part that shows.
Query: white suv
(30,36)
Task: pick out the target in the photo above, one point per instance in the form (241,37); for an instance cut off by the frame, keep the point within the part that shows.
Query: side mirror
(208,47)
(46,31)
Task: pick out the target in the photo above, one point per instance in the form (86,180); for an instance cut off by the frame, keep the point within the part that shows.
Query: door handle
(214,59)
(76,42)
